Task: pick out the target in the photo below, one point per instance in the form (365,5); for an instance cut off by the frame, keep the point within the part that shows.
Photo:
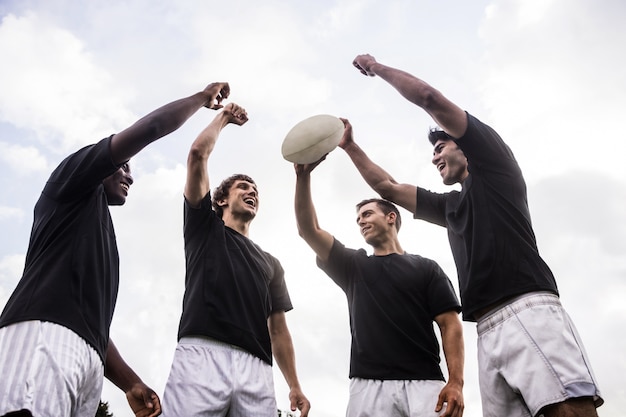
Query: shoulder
(425,264)
(481,141)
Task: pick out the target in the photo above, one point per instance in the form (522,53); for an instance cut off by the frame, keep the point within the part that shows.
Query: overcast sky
(548,75)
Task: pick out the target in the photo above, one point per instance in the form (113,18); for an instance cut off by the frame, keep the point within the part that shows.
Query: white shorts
(210,378)
(530,356)
(49,370)
(376,398)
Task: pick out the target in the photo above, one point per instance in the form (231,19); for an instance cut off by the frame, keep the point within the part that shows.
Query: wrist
(349,146)
(456,381)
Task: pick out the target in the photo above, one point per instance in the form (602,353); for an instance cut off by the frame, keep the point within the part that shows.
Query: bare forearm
(197,183)
(117,371)
(202,147)
(409,86)
(381,181)
(306,218)
(454,351)
(155,125)
(282,348)
(375,176)
(286,359)
(450,117)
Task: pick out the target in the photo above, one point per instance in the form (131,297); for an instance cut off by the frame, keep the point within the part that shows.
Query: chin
(116,201)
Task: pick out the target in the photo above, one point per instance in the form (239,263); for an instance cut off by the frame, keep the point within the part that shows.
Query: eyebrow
(246,184)
(368,211)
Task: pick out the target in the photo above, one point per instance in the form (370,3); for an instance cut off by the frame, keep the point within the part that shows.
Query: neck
(237,223)
(388,247)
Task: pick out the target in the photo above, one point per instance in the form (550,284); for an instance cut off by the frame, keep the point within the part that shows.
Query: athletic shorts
(530,356)
(210,378)
(376,398)
(49,370)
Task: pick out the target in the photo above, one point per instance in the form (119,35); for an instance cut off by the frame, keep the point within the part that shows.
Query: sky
(548,75)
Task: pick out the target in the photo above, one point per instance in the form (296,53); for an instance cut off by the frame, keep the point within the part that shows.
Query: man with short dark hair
(393,299)
(54,330)
(531,359)
(233,318)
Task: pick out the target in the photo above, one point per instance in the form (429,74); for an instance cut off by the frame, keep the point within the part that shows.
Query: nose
(435,158)
(129,178)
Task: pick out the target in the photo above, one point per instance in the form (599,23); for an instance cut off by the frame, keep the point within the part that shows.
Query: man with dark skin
(54,330)
(505,285)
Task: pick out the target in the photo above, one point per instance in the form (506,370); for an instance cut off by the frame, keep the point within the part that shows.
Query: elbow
(423,96)
(428,99)
(432,100)
(154,128)
(196,155)
(386,189)
(304,234)
(307,233)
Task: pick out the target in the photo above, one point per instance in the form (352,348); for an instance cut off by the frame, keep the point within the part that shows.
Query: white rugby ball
(312,138)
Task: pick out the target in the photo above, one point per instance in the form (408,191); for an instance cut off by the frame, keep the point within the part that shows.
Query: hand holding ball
(312,138)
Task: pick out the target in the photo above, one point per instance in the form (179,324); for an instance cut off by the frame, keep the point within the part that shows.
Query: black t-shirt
(231,285)
(489,225)
(71,273)
(392,301)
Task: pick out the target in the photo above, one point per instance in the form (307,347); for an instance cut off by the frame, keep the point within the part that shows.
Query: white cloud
(546,75)
(11,267)
(553,76)
(60,93)
(22,159)
(7,213)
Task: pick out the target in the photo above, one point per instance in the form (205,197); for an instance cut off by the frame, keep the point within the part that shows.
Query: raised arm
(308,228)
(283,351)
(164,120)
(197,184)
(376,177)
(142,400)
(450,117)
(454,351)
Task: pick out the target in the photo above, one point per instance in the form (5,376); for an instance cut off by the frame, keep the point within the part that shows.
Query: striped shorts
(411,398)
(49,370)
(211,378)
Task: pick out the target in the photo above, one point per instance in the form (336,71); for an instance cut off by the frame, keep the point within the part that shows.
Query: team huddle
(55,347)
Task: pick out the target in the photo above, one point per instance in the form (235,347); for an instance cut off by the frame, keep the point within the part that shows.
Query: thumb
(440,402)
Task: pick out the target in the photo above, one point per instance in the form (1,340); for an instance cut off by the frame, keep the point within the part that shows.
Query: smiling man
(531,360)
(393,299)
(233,319)
(54,330)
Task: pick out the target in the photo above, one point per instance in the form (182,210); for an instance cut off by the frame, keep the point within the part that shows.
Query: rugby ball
(312,138)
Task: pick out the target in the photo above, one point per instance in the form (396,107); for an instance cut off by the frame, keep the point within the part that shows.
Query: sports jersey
(392,301)
(231,285)
(71,274)
(489,226)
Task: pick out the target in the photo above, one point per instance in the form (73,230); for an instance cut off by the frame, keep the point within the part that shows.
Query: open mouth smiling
(250,201)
